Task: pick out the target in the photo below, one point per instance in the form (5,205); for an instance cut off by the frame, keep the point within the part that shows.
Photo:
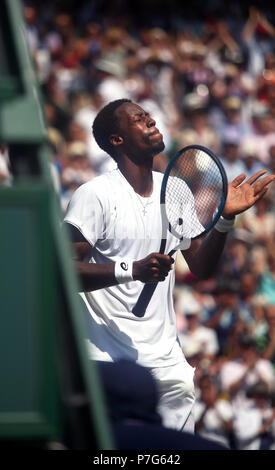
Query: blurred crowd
(207,78)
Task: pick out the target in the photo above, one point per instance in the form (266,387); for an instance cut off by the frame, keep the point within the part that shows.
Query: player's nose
(151,122)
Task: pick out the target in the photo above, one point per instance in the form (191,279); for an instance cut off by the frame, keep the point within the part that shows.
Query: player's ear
(116,139)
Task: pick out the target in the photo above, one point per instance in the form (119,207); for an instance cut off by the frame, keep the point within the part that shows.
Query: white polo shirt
(119,223)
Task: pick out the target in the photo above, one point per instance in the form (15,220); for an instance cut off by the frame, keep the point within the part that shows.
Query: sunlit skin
(243,193)
(136,143)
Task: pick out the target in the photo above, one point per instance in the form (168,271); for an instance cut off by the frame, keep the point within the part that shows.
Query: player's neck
(139,177)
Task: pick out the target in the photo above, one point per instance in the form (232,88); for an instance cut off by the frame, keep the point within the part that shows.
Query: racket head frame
(164,184)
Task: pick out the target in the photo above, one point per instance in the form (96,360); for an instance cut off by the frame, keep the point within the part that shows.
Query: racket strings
(194,192)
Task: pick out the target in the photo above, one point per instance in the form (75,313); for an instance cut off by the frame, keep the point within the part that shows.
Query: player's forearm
(92,276)
(211,251)
(204,260)
(95,276)
(154,268)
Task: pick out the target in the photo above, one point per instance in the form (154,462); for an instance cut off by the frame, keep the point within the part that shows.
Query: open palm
(243,194)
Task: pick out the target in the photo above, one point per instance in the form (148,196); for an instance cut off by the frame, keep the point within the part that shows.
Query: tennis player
(115,224)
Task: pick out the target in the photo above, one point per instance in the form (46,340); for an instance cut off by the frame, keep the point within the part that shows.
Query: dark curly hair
(105,124)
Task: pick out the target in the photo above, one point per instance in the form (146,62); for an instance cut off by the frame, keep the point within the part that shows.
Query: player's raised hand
(243,194)
(154,268)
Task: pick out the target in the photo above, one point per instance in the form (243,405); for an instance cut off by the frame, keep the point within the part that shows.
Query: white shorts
(177,395)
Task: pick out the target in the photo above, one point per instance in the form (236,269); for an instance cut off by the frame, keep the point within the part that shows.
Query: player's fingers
(263,183)
(164,260)
(156,276)
(266,180)
(256,176)
(164,272)
(238,180)
(261,194)
(160,271)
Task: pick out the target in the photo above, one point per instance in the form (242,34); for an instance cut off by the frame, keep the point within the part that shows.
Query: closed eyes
(141,116)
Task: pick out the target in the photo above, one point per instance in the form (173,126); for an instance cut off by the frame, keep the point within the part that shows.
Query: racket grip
(145,296)
(144,299)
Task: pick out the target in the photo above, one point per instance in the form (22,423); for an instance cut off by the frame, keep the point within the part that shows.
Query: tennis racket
(192,198)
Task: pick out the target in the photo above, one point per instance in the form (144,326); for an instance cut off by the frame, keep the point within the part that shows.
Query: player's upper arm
(81,247)
(74,233)
(190,254)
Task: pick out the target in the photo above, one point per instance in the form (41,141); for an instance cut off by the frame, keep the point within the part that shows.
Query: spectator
(199,130)
(231,121)
(231,155)
(261,221)
(248,309)
(246,369)
(257,34)
(198,73)
(248,288)
(213,415)
(262,135)
(30,14)
(85,110)
(78,170)
(267,281)
(259,326)
(237,254)
(225,317)
(269,350)
(250,159)
(196,335)
(254,426)
(110,81)
(258,254)
(201,291)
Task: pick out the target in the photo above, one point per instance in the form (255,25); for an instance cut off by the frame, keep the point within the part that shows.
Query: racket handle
(145,296)
(144,299)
